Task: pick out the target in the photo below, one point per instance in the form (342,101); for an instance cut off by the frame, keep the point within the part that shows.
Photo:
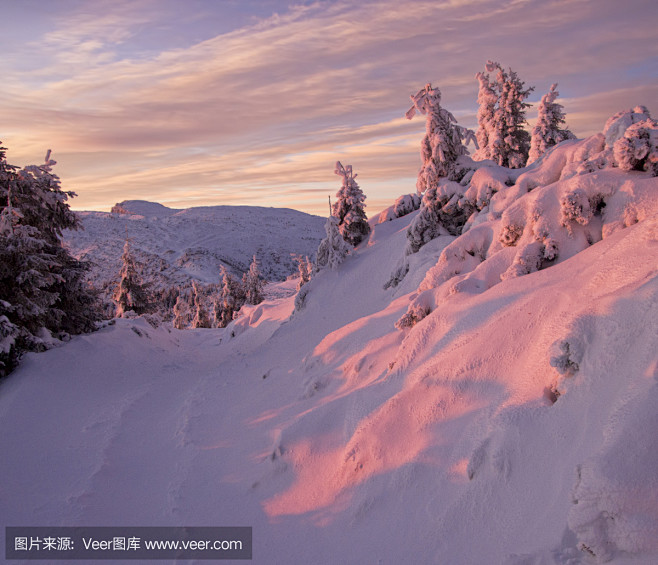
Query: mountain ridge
(175,246)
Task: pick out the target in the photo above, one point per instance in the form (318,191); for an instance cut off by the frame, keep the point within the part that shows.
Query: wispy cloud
(275,102)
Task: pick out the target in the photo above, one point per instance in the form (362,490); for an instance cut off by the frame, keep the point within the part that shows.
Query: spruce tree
(550,127)
(42,286)
(231,299)
(304,269)
(443,141)
(487,100)
(201,318)
(130,293)
(182,313)
(501,117)
(349,207)
(253,284)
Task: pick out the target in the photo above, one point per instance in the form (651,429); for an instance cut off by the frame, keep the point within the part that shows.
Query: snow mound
(527,220)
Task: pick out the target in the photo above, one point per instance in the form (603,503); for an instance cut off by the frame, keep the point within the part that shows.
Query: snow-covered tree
(182,312)
(406,204)
(304,269)
(131,293)
(637,149)
(217,311)
(26,287)
(26,270)
(201,318)
(231,299)
(349,207)
(440,214)
(253,284)
(550,127)
(9,335)
(487,100)
(41,285)
(501,117)
(443,141)
(333,249)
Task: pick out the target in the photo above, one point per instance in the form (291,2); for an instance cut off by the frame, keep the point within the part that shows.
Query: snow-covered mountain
(174,246)
(487,399)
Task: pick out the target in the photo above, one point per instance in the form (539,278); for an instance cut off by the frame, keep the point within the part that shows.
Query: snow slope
(513,422)
(175,246)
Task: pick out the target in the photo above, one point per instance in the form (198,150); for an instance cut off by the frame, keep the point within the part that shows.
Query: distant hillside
(175,246)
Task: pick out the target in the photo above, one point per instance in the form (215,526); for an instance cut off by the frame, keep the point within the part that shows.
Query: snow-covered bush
(349,207)
(300,298)
(527,260)
(637,149)
(461,255)
(406,204)
(333,249)
(616,125)
(415,314)
(575,207)
(443,141)
(427,224)
(549,129)
(566,356)
(510,234)
(443,212)
(398,274)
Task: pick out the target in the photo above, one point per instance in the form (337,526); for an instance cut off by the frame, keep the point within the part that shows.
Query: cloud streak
(274,103)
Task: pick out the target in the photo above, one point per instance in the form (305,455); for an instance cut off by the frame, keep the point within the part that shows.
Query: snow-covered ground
(513,423)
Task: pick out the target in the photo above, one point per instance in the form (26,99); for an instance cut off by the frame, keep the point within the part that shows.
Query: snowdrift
(495,405)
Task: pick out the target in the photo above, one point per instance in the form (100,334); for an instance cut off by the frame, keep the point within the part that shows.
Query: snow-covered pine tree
(217,311)
(304,269)
(550,127)
(201,318)
(253,284)
(309,268)
(182,311)
(487,100)
(41,284)
(333,249)
(443,141)
(131,293)
(231,299)
(9,335)
(25,286)
(349,207)
(501,135)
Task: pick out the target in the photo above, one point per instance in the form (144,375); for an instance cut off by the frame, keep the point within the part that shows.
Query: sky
(208,102)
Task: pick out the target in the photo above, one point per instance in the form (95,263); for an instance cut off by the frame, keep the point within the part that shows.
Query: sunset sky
(207,102)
